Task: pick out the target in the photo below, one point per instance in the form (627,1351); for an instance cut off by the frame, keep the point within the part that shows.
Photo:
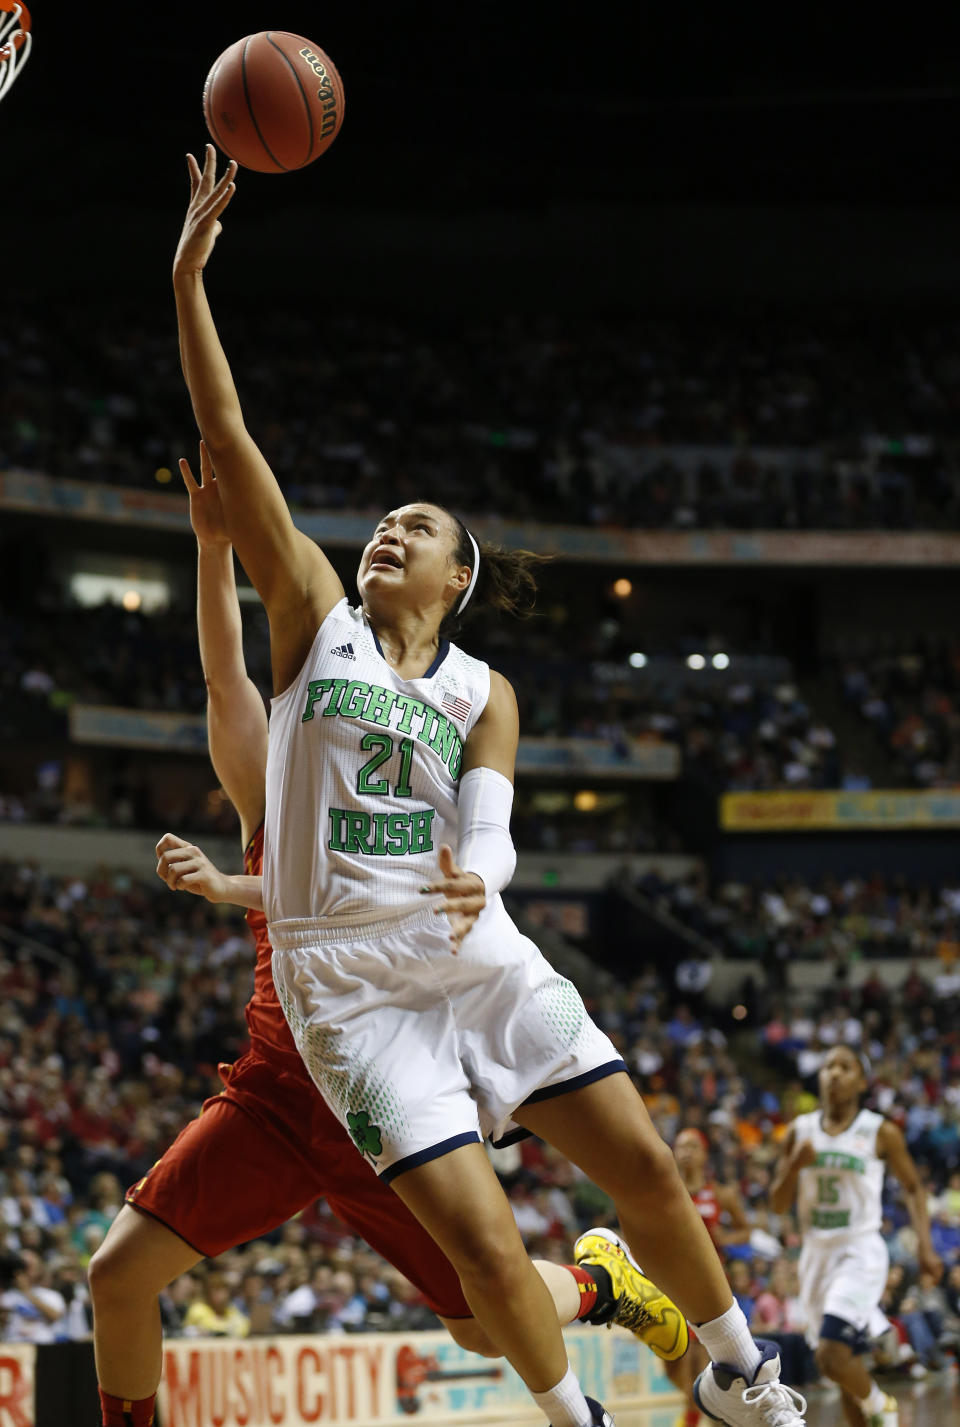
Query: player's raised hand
(206,512)
(185,868)
(209,196)
(463,893)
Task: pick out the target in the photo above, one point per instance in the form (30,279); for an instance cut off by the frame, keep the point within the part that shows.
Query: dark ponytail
(506,582)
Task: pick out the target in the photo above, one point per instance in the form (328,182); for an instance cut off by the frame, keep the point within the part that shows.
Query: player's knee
(831,1357)
(646,1171)
(490,1262)
(468,1334)
(117,1275)
(109,1276)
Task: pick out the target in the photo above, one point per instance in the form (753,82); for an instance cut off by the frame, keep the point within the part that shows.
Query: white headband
(473,574)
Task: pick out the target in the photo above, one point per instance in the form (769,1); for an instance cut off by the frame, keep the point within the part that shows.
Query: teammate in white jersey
(833,1162)
(423,1016)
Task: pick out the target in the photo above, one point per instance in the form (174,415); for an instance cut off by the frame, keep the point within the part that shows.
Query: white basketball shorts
(418,1051)
(845,1277)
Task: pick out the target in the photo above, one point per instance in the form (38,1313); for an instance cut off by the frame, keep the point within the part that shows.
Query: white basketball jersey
(840,1193)
(362,775)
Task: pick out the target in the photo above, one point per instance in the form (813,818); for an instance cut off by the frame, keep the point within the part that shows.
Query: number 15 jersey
(362,773)
(840,1193)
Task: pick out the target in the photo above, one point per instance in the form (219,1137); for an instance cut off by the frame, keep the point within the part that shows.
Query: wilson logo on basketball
(328,100)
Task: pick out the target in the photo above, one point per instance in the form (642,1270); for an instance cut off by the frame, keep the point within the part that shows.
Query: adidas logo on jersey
(345,651)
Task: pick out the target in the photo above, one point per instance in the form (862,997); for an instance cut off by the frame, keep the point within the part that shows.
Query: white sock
(874,1400)
(565,1404)
(728,1340)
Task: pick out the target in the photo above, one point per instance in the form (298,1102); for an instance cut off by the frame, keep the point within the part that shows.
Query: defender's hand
(206,512)
(185,868)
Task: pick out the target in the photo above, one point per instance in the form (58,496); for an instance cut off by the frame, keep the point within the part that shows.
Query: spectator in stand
(777,1314)
(32,1309)
(213,1314)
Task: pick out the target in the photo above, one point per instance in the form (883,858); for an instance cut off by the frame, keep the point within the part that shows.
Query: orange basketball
(273,101)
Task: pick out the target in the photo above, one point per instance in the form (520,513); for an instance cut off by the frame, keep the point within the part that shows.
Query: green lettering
(443,739)
(336,694)
(456,759)
(380,705)
(357,695)
(420,826)
(411,707)
(337,820)
(830,1218)
(381,745)
(358,833)
(398,834)
(828,1189)
(315,690)
(430,717)
(403,789)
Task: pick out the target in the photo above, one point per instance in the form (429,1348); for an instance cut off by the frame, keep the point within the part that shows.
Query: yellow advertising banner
(880,810)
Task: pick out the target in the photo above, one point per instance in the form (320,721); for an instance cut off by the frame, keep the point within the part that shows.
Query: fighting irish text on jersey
(362,774)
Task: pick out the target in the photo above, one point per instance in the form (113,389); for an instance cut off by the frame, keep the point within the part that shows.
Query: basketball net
(15,41)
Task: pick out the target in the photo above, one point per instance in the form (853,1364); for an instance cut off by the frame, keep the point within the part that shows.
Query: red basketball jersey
(269,1033)
(708,1208)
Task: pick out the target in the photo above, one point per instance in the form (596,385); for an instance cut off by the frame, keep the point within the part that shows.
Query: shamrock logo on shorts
(365,1136)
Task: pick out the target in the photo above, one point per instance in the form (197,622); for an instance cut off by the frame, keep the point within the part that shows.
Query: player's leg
(603,1126)
(135,1262)
(838,1357)
(587,1293)
(225,1180)
(461,1204)
(683,1373)
(853,1273)
(564,1289)
(374,1023)
(584,1295)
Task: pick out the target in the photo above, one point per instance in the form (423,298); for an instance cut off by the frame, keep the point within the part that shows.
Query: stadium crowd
(613,422)
(909,699)
(834,921)
(118,1000)
(750,727)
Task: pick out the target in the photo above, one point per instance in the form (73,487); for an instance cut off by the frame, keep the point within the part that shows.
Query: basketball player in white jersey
(833,1163)
(423,1016)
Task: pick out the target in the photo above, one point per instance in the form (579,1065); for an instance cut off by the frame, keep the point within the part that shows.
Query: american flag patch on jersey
(459,708)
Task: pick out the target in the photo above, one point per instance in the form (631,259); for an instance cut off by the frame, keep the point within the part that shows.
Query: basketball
(273,101)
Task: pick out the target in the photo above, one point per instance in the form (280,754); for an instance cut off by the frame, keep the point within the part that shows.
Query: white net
(15,41)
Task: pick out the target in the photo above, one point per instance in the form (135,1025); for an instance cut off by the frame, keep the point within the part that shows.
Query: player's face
(841,1077)
(411,554)
(689,1152)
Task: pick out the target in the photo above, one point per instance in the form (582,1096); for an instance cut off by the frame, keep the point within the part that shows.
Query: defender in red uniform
(267,1146)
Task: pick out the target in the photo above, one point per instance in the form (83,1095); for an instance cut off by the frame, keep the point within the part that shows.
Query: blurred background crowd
(119,999)
(612,422)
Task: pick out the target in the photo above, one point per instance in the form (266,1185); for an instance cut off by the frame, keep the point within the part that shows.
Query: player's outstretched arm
(892,1149)
(292,576)
(236,717)
(185,868)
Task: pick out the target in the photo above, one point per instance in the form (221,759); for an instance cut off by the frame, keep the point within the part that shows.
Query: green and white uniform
(415,1049)
(844,1260)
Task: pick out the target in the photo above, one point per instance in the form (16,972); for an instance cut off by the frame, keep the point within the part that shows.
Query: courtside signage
(366,1379)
